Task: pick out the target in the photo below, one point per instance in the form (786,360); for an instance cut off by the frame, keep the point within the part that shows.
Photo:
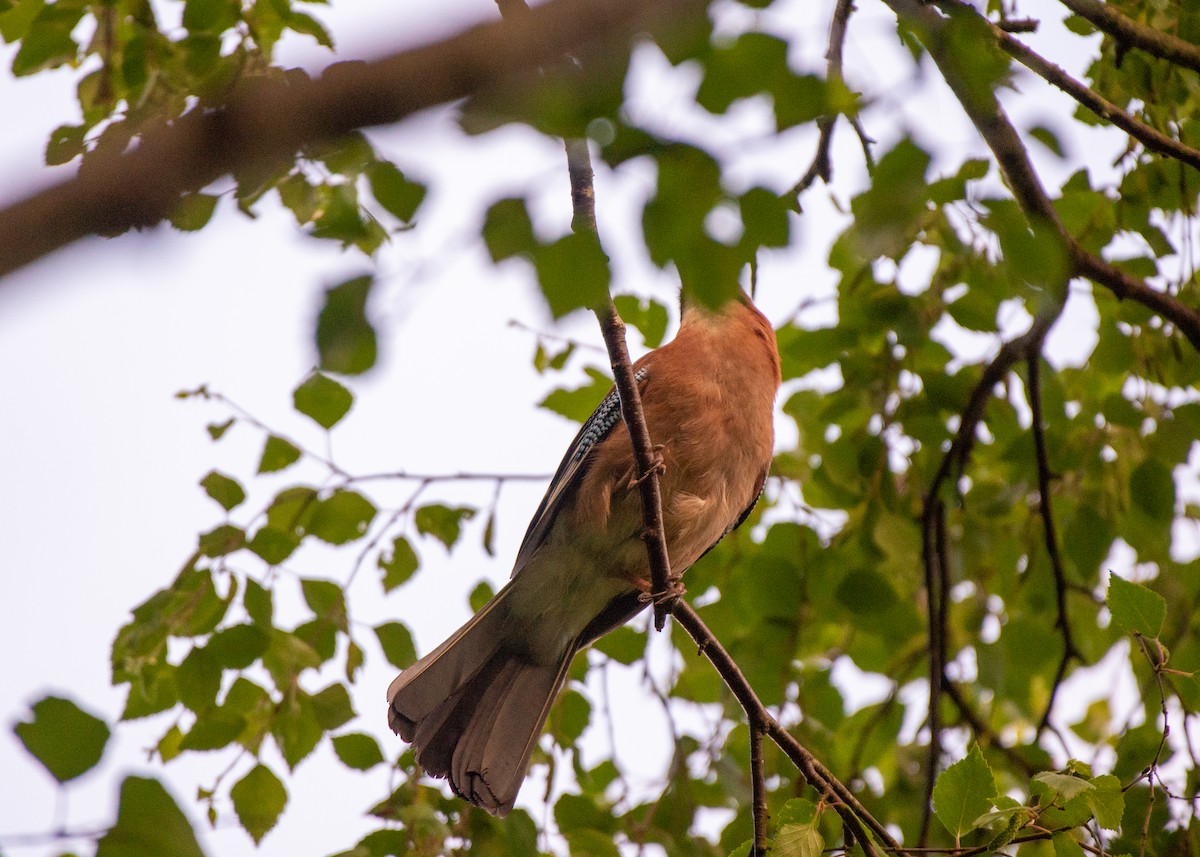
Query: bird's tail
(474,707)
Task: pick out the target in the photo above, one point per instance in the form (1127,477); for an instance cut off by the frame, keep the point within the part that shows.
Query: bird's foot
(675,589)
(657,465)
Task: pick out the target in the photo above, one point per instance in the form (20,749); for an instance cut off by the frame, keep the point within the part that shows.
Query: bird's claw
(675,589)
(657,465)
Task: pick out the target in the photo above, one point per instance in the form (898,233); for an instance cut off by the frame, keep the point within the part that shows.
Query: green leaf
(1065,786)
(399,564)
(573,273)
(798,840)
(278,453)
(258,799)
(193,211)
(48,43)
(649,317)
(358,751)
(1152,489)
(442,522)
(332,706)
(1107,801)
(63,737)
(296,729)
(399,195)
(198,679)
(397,644)
(210,16)
(1066,845)
(346,340)
(1136,608)
(480,595)
(309,26)
(217,430)
(342,517)
(223,540)
(963,792)
(65,144)
(238,646)
(507,230)
(322,399)
(579,403)
(148,822)
(624,645)
(223,489)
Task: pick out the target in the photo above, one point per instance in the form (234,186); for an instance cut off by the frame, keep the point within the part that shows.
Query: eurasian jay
(474,707)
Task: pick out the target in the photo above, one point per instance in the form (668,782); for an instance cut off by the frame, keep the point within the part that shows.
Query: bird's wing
(572,468)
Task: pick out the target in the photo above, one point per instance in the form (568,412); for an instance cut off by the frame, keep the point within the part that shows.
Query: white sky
(101,462)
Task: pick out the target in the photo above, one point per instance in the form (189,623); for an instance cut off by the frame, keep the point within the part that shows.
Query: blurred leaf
(399,564)
(342,517)
(223,489)
(397,194)
(442,522)
(358,751)
(397,644)
(148,822)
(193,211)
(573,273)
(323,399)
(258,799)
(345,338)
(63,737)
(278,453)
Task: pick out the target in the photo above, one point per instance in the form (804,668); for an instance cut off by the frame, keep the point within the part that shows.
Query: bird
(475,706)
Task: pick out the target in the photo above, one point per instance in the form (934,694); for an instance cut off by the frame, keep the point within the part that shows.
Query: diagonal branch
(266,120)
(843,801)
(1128,33)
(988,116)
(1150,137)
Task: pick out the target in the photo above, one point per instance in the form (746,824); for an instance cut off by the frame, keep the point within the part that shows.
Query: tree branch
(758,789)
(1150,137)
(989,119)
(839,796)
(821,167)
(267,120)
(1070,651)
(1130,34)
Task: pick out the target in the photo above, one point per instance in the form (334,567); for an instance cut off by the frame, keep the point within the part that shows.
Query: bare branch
(758,788)
(840,798)
(821,167)
(266,120)
(1070,651)
(1130,34)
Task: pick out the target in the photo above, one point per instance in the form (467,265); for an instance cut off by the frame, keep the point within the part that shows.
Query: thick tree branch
(1130,34)
(268,120)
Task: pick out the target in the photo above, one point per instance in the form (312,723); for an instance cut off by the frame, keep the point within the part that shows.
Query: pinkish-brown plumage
(475,706)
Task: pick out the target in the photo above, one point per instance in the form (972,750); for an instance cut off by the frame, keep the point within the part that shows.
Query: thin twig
(1070,650)
(840,798)
(821,166)
(664,586)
